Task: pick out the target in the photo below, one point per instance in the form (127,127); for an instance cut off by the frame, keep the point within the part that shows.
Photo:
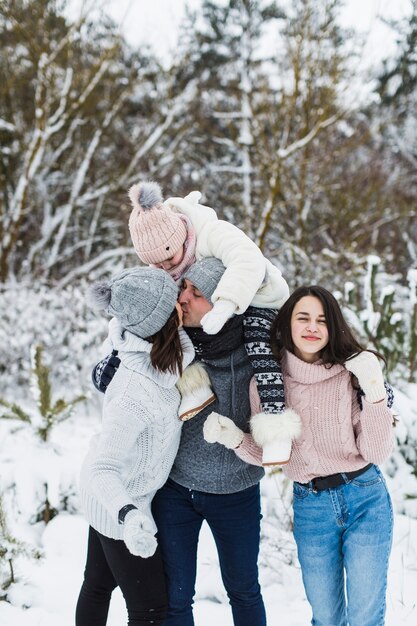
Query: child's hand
(214,320)
(365,366)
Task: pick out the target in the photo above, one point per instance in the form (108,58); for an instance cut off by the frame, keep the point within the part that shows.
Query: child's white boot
(196,392)
(274,433)
(277,452)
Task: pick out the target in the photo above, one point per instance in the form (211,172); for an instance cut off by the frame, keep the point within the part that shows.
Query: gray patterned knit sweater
(132,456)
(210,467)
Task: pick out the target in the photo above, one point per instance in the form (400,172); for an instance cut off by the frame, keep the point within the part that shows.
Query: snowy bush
(383,312)
(50,341)
(277,542)
(48,412)
(60,321)
(11,549)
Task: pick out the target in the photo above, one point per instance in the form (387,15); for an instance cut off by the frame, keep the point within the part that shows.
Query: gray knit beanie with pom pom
(157,232)
(141,299)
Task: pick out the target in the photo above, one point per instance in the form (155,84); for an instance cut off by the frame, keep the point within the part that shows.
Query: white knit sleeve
(123,421)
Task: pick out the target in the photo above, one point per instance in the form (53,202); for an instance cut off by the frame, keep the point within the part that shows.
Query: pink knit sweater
(336,435)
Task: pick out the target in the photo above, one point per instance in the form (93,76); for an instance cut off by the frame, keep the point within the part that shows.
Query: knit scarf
(227,339)
(188,259)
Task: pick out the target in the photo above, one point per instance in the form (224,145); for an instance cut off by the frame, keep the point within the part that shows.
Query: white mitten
(194,197)
(138,534)
(214,320)
(220,429)
(365,366)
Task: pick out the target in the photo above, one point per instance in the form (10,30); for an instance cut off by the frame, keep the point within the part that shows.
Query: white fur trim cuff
(269,427)
(193,378)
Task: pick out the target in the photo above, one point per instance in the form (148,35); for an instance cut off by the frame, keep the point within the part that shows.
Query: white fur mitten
(138,534)
(365,366)
(195,389)
(274,433)
(214,320)
(221,429)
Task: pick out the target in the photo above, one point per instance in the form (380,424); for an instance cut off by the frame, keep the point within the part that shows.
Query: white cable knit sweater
(132,456)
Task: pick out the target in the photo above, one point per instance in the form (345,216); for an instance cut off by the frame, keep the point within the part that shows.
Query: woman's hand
(365,366)
(139,534)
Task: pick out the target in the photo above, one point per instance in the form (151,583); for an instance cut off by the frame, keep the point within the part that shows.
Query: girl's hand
(221,429)
(365,366)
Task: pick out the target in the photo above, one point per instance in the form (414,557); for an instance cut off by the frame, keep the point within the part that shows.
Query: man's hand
(214,320)
(220,429)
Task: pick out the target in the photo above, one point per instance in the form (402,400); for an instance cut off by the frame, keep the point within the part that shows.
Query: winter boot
(195,388)
(274,433)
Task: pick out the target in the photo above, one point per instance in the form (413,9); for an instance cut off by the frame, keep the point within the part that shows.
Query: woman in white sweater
(132,456)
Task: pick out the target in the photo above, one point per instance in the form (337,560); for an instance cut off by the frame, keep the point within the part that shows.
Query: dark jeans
(234,520)
(142,582)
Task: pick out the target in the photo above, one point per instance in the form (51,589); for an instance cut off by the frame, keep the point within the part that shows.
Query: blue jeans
(346,529)
(234,520)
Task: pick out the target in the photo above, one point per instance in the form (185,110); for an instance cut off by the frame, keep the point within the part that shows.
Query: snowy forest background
(263,110)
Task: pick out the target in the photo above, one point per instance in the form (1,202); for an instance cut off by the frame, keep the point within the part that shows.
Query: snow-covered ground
(47,589)
(50,589)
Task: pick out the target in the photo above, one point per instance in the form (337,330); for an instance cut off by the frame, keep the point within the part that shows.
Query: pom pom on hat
(157,232)
(99,296)
(145,196)
(141,299)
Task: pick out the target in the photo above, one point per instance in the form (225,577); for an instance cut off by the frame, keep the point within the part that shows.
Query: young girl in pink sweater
(342,510)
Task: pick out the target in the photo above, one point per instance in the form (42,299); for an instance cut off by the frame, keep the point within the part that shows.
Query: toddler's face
(172,261)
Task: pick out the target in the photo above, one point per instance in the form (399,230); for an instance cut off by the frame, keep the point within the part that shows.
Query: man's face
(193,304)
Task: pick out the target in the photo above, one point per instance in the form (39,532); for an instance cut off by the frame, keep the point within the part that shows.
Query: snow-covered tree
(82,116)
(397,114)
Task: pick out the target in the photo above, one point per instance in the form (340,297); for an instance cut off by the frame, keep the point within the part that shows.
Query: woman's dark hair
(341,345)
(166,351)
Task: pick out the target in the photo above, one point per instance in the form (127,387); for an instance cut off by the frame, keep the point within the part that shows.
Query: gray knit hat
(141,299)
(205,275)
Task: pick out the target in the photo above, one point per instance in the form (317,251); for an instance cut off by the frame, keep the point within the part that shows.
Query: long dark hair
(341,345)
(166,352)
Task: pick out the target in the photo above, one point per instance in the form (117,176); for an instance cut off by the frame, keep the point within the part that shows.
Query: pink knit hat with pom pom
(157,232)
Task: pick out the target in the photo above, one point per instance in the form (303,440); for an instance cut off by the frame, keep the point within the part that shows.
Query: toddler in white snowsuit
(173,235)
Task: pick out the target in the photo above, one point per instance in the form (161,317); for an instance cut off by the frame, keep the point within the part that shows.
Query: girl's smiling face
(309,329)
